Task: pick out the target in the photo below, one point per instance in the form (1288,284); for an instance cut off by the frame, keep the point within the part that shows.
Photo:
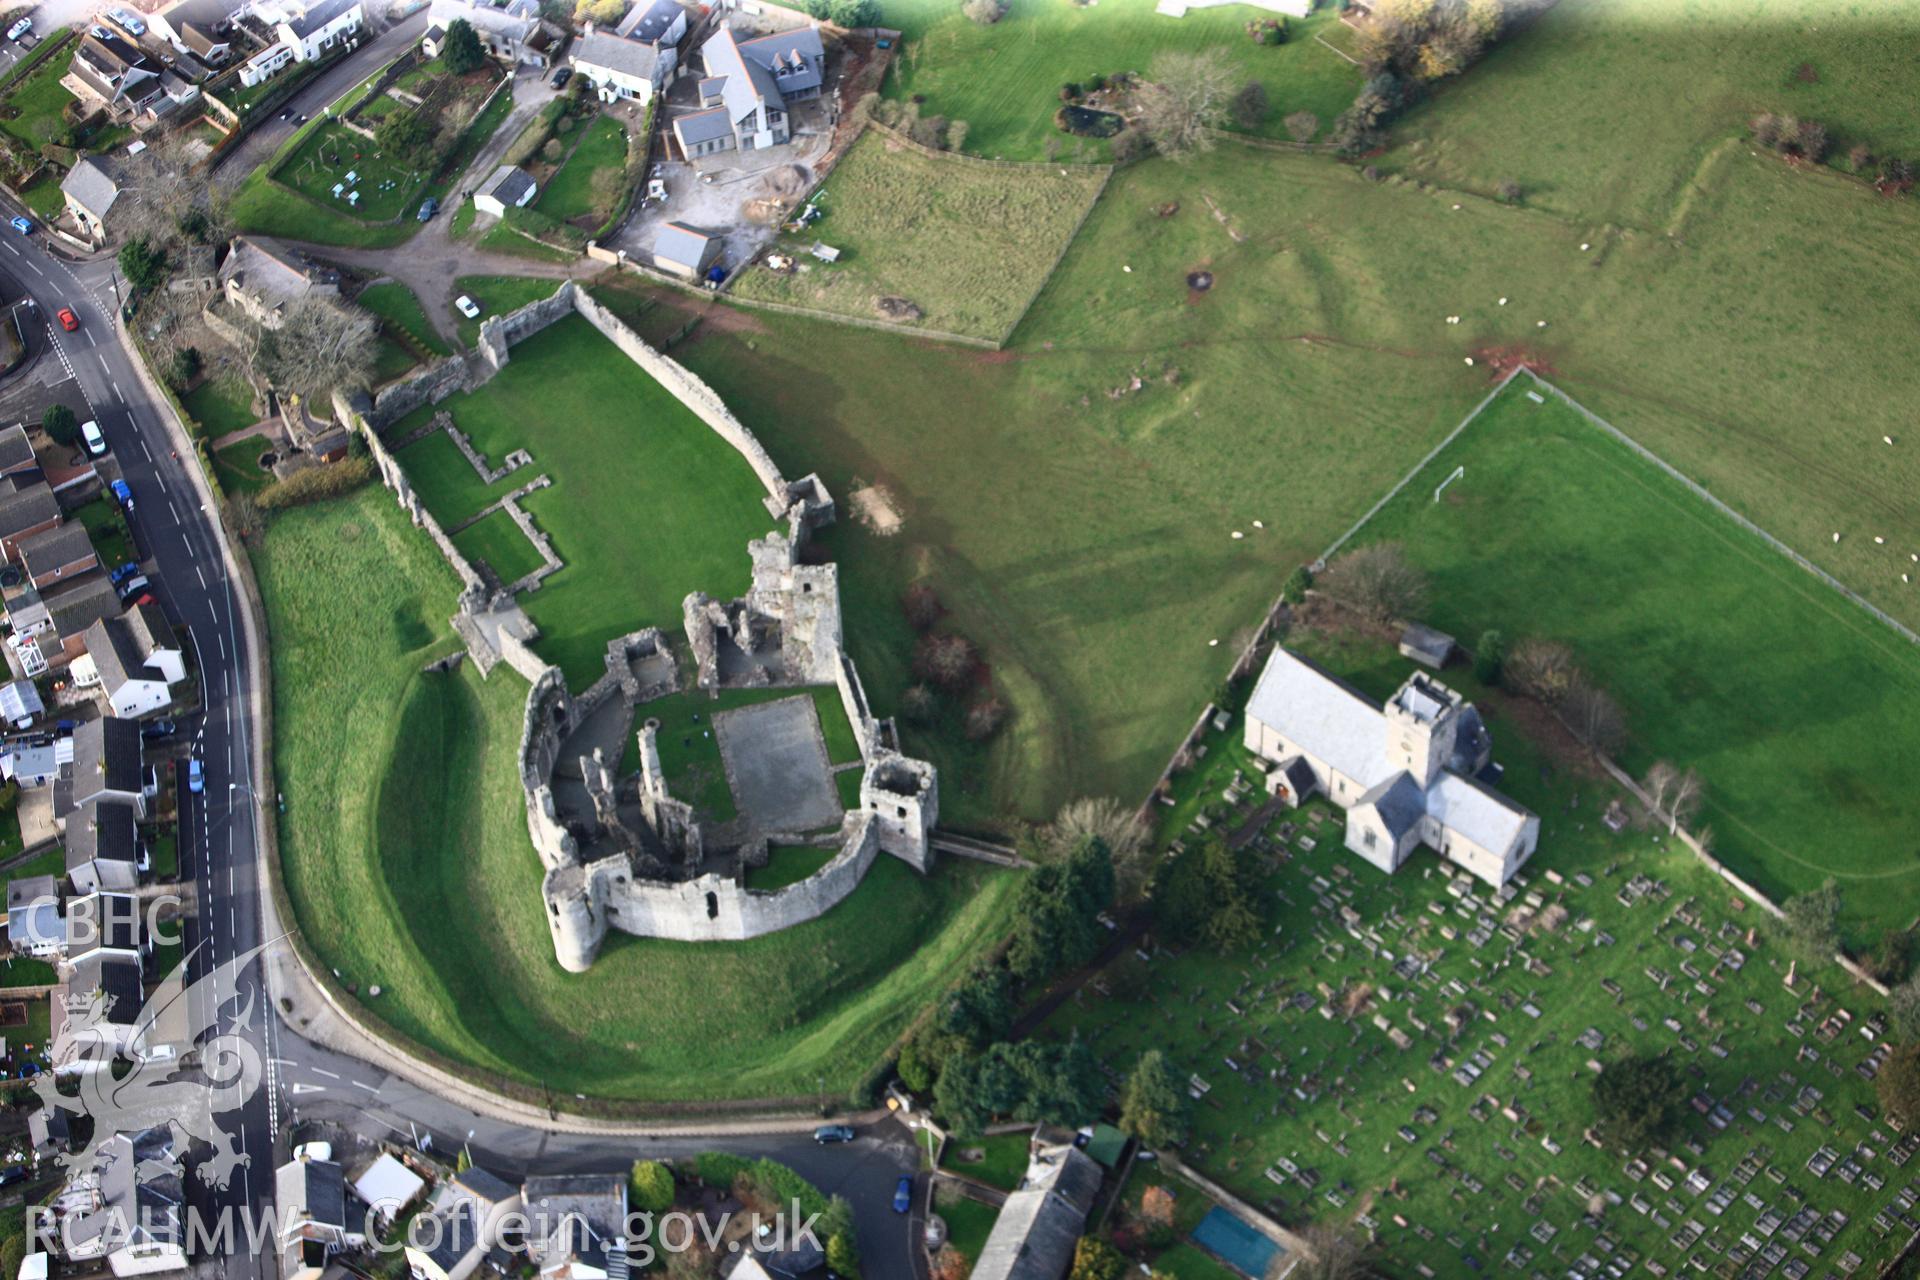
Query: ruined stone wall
(429,386)
(498,334)
(394,477)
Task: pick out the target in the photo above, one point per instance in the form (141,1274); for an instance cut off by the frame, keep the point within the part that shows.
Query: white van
(96,443)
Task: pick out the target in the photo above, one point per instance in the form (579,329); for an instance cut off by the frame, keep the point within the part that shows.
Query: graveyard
(1415,1053)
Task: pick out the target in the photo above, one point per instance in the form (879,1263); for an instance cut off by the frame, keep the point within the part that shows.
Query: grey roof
(1034,1236)
(201,13)
(508,185)
(1476,811)
(20,700)
(75,608)
(1299,776)
(269,270)
(33,912)
(103,922)
(29,889)
(149,627)
(120,649)
(140,1191)
(1433,647)
(458,1235)
(697,127)
(15,449)
(649,22)
(25,508)
(1399,802)
(573,1215)
(320,15)
(1470,741)
(48,1129)
(628,57)
(202,40)
(749,67)
(115,977)
(101,831)
(514,21)
(106,757)
(488,1187)
(682,244)
(316,1189)
(796,57)
(56,548)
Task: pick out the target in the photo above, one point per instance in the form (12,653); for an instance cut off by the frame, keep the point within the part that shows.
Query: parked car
(96,443)
(23,225)
(13,1173)
(69,321)
(561,77)
(833,1133)
(136,585)
(19,28)
(196,776)
(123,495)
(128,19)
(903,1194)
(322,1151)
(429,207)
(125,571)
(155,730)
(467,307)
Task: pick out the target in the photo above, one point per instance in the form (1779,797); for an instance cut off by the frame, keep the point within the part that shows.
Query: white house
(137,659)
(747,94)
(508,188)
(510,30)
(316,1221)
(103,847)
(35,926)
(105,765)
(1404,772)
(472,1211)
(127,1213)
(621,70)
(314,32)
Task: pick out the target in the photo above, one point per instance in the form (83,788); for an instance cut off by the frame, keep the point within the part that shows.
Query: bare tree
(1379,581)
(1113,823)
(168,199)
(1597,719)
(1544,669)
(1302,125)
(1683,801)
(1658,784)
(1188,94)
(1334,1252)
(322,343)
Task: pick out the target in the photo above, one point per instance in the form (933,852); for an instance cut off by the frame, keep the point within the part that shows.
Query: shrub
(1128,145)
(59,423)
(1489,656)
(921,604)
(854,13)
(984,719)
(1810,141)
(1069,91)
(183,367)
(918,705)
(1250,105)
(1542,669)
(650,1187)
(1295,588)
(316,484)
(1637,1101)
(1860,157)
(1509,192)
(984,12)
(462,52)
(946,660)
(1377,581)
(551,150)
(957,135)
(1302,125)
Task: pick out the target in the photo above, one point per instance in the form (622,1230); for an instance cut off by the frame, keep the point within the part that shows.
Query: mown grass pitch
(398,802)
(1633,947)
(1789,699)
(967,243)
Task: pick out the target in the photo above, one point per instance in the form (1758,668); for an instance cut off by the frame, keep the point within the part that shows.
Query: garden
(1416,1053)
(943,242)
(586,184)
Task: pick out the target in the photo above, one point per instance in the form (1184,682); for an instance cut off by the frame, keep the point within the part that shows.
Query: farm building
(508,188)
(685,251)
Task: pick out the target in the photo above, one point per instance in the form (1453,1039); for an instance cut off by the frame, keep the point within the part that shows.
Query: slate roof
(78,606)
(101,831)
(55,548)
(103,922)
(269,271)
(457,1236)
(648,23)
(16,450)
(106,757)
(27,507)
(680,243)
(33,912)
(747,67)
(315,1188)
(1399,802)
(508,185)
(628,57)
(1034,1236)
(484,1186)
(319,16)
(574,1215)
(115,977)
(122,647)
(697,127)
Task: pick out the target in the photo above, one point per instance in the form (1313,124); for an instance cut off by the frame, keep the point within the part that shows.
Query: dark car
(154,730)
(903,1194)
(833,1133)
(429,207)
(561,77)
(13,1173)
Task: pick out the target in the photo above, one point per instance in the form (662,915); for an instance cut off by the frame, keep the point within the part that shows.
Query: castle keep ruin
(624,852)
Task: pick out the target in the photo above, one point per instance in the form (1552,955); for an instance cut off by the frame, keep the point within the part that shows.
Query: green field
(1728,657)
(238,465)
(1004,80)
(37,100)
(399,309)
(645,495)
(497,540)
(220,405)
(453,929)
(569,192)
(924,229)
(787,865)
(1292,1076)
(497,295)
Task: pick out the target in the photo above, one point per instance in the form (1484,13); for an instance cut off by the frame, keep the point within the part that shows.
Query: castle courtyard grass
(399,799)
(966,242)
(495,539)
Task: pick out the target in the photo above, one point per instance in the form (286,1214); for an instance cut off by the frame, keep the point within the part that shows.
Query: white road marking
(103,362)
(322,1071)
(143,449)
(360,1084)
(201,576)
(175,510)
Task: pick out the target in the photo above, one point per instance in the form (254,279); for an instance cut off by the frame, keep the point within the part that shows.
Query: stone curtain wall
(430,386)
(395,478)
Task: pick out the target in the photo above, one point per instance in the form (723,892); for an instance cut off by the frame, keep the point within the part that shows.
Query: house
(97,1015)
(1425,645)
(57,555)
(103,847)
(317,1218)
(263,279)
(388,1187)
(508,188)
(20,703)
(105,766)
(49,626)
(103,925)
(510,30)
(110,70)
(201,28)
(35,926)
(472,1210)
(575,1225)
(662,24)
(752,85)
(1403,771)
(17,457)
(1034,1236)
(137,660)
(32,766)
(127,1212)
(24,511)
(685,251)
(621,70)
(313,32)
(49,1134)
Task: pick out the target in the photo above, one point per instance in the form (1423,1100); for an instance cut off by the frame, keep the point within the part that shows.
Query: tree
(1597,719)
(1379,582)
(1636,1102)
(60,424)
(321,344)
(984,12)
(143,264)
(1898,1084)
(1188,95)
(1903,1009)
(957,135)
(183,366)
(978,1010)
(1207,895)
(1105,819)
(1056,918)
(462,52)
(1489,656)
(918,705)
(650,1187)
(984,719)
(408,136)
(947,660)
(1892,959)
(1153,1105)
(842,1248)
(1542,669)
(921,605)
(605,13)
(854,13)
(1250,105)
(172,202)
(1510,192)
(1810,141)
(1810,921)
(1302,125)
(1095,1259)
(1334,1252)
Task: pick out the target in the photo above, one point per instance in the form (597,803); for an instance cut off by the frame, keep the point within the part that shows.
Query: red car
(69,321)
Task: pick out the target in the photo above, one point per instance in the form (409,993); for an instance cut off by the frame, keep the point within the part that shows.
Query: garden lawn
(969,1223)
(107,528)
(447,482)
(969,243)
(497,295)
(398,308)
(569,192)
(1728,658)
(400,800)
(44,197)
(324,158)
(647,504)
(497,540)
(1004,80)
(38,99)
(1641,913)
(220,405)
